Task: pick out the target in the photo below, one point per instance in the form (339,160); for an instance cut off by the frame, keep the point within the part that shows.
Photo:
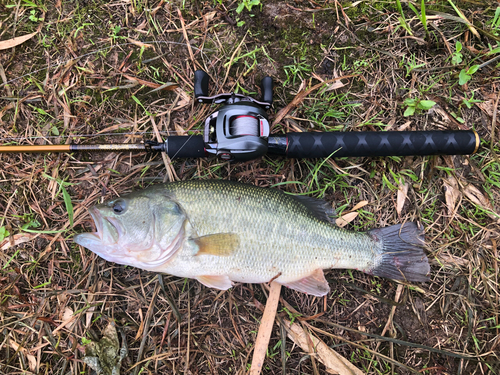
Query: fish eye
(119,206)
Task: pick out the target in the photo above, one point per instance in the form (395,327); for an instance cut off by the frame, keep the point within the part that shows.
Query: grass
(71,80)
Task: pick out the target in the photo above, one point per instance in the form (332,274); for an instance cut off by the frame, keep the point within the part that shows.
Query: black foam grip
(200,83)
(391,143)
(185,146)
(266,87)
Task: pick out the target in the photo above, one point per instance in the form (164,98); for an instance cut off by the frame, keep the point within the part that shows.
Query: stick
(265,329)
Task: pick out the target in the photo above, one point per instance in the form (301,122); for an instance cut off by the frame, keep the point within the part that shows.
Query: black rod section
(390,143)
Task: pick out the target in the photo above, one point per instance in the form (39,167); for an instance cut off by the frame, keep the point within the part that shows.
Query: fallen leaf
(488,107)
(17,347)
(333,361)
(179,129)
(139,44)
(68,319)
(209,16)
(401,198)
(166,86)
(335,85)
(478,198)
(18,239)
(359,205)
(451,193)
(345,219)
(6,44)
(449,260)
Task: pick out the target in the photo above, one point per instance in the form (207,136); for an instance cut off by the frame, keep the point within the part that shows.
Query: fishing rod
(240,129)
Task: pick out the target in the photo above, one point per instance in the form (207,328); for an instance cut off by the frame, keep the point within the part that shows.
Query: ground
(87,77)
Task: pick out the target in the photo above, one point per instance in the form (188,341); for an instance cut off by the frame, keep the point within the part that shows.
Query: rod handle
(390,143)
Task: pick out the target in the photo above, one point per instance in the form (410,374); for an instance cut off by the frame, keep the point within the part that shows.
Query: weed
(402,19)
(421,15)
(248,4)
(495,22)
(466,74)
(298,69)
(415,106)
(3,233)
(457,56)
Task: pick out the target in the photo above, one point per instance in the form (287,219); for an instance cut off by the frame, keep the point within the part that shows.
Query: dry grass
(80,74)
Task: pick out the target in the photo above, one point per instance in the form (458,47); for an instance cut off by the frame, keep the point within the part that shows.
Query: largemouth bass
(220,232)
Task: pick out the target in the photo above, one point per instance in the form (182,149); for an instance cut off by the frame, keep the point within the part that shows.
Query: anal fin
(314,284)
(218,282)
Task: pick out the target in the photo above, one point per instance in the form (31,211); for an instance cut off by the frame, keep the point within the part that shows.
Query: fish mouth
(98,220)
(108,230)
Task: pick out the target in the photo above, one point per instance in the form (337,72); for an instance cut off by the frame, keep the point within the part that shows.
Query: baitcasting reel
(239,130)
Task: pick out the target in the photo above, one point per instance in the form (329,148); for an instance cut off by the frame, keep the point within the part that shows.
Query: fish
(223,232)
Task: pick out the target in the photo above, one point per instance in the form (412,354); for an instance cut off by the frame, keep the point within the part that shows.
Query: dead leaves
(349,216)
(333,361)
(454,190)
(6,44)
(451,193)
(401,197)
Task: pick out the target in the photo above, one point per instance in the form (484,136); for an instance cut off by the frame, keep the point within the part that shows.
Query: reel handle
(200,83)
(266,86)
(390,143)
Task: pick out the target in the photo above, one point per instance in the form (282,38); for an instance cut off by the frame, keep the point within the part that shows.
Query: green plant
(3,233)
(469,102)
(248,4)
(495,22)
(421,15)
(33,16)
(457,56)
(466,74)
(416,106)
(298,69)
(402,19)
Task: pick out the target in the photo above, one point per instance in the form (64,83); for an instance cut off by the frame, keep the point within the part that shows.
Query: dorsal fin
(319,208)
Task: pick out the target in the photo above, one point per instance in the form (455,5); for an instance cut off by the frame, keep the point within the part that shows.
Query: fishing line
(163,132)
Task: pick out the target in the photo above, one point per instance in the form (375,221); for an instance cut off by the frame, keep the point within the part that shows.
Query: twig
(147,321)
(265,329)
(493,126)
(184,32)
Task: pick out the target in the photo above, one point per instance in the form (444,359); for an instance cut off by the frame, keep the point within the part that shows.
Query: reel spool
(237,131)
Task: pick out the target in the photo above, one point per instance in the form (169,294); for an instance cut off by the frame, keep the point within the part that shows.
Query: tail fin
(402,255)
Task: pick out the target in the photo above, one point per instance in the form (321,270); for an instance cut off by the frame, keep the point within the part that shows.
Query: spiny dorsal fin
(318,207)
(219,244)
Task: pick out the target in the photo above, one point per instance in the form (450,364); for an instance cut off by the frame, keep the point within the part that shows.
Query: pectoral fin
(314,284)
(217,282)
(220,244)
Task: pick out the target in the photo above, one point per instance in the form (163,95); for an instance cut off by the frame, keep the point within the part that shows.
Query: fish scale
(224,232)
